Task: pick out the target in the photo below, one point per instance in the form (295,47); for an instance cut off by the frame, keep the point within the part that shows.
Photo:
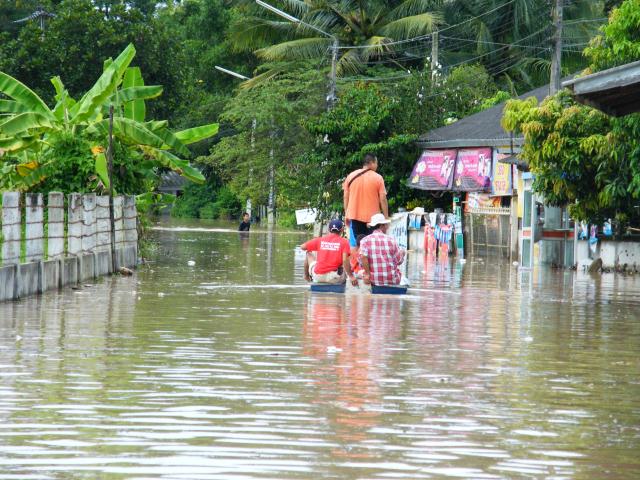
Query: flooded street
(232,369)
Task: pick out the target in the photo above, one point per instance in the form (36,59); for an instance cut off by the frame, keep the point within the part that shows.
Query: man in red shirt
(381,254)
(331,262)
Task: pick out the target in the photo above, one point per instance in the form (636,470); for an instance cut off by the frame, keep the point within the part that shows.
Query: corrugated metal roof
(481,129)
(171,181)
(615,91)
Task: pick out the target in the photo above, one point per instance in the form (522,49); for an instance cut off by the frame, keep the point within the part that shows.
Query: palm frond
(301,49)
(412,26)
(377,46)
(409,8)
(350,63)
(251,33)
(295,7)
(263,78)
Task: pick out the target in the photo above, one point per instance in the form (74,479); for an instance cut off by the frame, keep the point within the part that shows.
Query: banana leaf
(193,135)
(135,110)
(11,106)
(176,164)
(23,122)
(103,88)
(23,95)
(132,95)
(63,99)
(15,144)
(135,133)
(171,140)
(101,168)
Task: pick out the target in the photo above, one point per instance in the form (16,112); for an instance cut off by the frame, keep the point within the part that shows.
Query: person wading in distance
(364,196)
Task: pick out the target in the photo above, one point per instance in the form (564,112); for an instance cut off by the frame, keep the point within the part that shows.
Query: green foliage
(580,156)
(619,41)
(243,159)
(43,143)
(207,201)
(386,121)
(80,37)
(371,26)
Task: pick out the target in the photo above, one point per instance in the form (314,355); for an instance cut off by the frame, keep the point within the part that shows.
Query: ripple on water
(239,372)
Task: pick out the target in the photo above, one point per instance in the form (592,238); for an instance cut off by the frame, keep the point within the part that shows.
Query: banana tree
(29,128)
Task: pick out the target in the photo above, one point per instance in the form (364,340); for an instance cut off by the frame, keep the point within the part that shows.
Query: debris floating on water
(191,263)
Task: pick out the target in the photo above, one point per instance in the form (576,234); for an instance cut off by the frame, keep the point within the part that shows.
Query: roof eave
(471,142)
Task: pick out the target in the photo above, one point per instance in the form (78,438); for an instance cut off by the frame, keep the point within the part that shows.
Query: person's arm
(398,252)
(366,276)
(382,197)
(345,200)
(384,205)
(346,265)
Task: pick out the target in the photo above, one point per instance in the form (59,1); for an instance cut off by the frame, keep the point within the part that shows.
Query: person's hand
(307,277)
(354,281)
(366,278)
(347,222)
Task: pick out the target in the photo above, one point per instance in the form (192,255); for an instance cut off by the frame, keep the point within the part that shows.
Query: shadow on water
(230,368)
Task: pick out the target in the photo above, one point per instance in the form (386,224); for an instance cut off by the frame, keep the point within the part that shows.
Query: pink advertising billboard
(473,170)
(433,170)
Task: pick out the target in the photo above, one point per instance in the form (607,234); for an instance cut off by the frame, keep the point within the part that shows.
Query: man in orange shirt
(364,196)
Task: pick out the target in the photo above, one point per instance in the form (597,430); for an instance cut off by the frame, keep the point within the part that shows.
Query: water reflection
(231,368)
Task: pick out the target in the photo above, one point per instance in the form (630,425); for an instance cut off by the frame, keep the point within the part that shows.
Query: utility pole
(112,220)
(434,54)
(271,202)
(253,129)
(556,56)
(331,99)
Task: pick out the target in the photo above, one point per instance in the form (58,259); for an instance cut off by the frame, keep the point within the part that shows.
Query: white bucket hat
(417,211)
(378,219)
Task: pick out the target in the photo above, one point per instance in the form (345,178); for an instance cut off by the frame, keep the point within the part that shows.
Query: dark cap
(335,225)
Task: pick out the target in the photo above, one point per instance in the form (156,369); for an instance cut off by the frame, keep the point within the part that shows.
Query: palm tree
(366,29)
(512,39)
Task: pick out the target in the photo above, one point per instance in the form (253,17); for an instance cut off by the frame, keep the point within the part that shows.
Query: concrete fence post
(103,224)
(88,222)
(74,229)
(55,222)
(117,213)
(11,228)
(34,231)
(130,221)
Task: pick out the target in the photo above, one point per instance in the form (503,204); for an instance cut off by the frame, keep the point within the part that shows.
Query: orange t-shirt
(364,195)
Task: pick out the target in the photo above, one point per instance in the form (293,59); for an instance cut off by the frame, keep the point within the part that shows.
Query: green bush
(204,201)
(209,211)
(194,198)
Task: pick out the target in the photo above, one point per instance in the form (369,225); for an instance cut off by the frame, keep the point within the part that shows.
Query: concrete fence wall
(38,253)
(612,252)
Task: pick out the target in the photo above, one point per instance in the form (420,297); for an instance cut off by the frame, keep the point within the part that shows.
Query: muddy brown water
(232,369)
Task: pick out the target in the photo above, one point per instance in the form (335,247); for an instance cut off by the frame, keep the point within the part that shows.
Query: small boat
(388,289)
(374,289)
(328,287)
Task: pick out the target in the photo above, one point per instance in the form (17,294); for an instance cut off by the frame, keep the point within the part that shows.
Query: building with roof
(615,91)
(517,224)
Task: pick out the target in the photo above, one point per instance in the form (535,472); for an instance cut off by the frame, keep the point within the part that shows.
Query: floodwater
(232,369)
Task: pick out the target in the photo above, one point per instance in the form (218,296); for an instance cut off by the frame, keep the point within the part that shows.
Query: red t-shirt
(330,249)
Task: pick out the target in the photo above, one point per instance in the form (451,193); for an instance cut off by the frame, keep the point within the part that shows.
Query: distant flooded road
(231,369)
